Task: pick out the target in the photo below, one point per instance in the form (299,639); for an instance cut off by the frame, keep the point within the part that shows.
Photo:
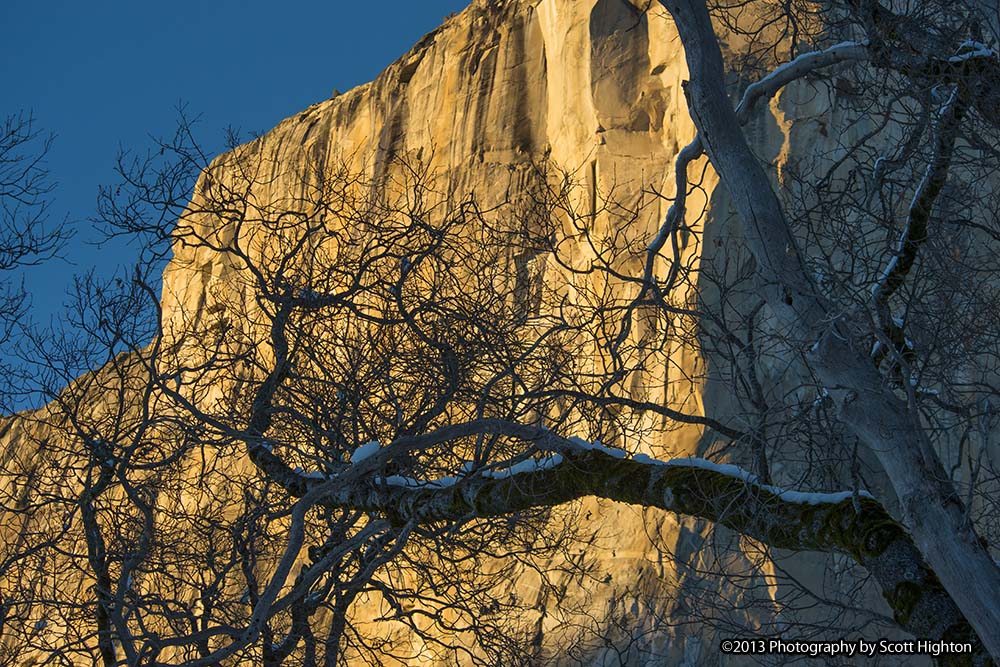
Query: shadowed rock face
(590,86)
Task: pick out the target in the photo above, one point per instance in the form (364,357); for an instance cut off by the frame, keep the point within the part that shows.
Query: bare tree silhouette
(391,402)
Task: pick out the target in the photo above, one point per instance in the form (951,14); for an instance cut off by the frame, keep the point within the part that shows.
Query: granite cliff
(574,108)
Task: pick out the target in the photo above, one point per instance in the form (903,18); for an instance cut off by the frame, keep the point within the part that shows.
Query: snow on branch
(799,497)
(558,470)
(844,522)
(796,69)
(915,228)
(365,451)
(765,88)
(971,49)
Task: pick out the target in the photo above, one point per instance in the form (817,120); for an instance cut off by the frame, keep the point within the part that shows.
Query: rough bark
(856,526)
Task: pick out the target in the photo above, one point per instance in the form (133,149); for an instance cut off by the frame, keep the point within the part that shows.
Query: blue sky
(107,74)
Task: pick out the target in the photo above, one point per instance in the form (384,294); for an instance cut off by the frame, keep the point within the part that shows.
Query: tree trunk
(931,510)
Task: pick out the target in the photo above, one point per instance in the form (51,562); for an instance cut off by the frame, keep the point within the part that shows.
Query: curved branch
(915,234)
(915,230)
(852,524)
(766,88)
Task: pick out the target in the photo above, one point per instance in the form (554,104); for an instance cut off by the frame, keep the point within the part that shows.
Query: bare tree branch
(930,509)
(850,524)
